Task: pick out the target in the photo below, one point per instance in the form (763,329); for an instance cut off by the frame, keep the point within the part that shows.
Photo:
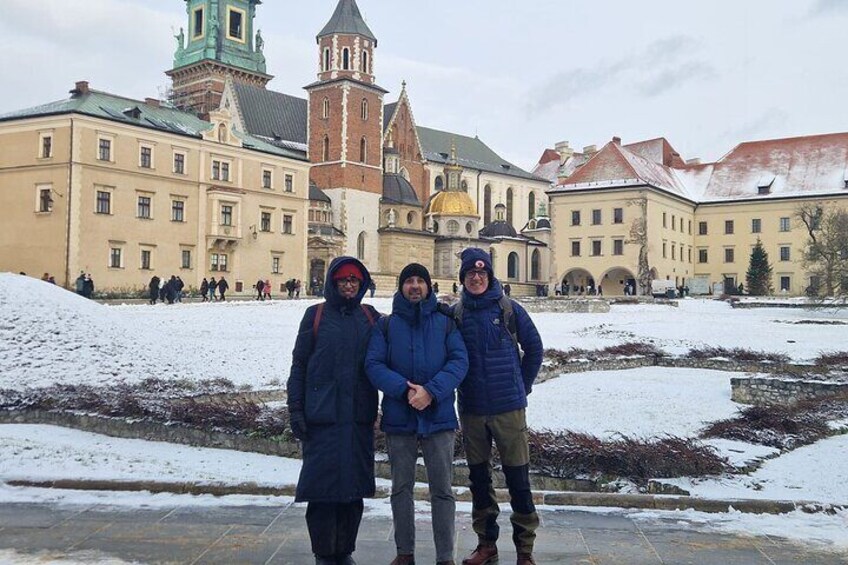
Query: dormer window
(845,177)
(764,184)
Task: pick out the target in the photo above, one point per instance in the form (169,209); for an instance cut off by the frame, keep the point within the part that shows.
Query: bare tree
(639,236)
(825,258)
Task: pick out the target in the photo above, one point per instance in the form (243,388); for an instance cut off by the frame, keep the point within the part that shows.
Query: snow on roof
(548,170)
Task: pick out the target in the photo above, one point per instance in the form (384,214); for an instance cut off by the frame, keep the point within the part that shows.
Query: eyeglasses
(350,281)
(477,275)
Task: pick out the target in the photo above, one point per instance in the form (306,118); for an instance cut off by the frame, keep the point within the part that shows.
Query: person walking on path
(260,290)
(79,284)
(204,288)
(266,289)
(297,286)
(180,285)
(332,409)
(88,286)
(417,358)
(223,286)
(153,289)
(492,403)
(371,289)
(213,286)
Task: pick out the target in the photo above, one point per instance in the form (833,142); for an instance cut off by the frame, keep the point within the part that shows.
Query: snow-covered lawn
(49,335)
(645,402)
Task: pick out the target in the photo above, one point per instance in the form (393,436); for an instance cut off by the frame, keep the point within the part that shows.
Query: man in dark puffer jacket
(492,403)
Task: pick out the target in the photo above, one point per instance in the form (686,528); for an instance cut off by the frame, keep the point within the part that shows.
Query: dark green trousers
(508,431)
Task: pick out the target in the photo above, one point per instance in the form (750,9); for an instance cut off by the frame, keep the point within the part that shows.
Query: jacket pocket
(321,403)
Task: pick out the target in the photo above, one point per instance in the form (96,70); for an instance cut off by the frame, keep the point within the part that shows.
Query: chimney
(152,102)
(564,151)
(616,140)
(590,149)
(81,87)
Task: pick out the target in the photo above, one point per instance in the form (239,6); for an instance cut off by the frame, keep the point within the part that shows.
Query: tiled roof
(347,19)
(316,193)
(272,114)
(471,153)
(397,190)
(388,114)
(141,114)
(657,150)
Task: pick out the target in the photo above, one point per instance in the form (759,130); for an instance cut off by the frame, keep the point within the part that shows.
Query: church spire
(347,19)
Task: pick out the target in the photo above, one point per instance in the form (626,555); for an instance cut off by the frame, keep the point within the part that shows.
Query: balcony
(221,236)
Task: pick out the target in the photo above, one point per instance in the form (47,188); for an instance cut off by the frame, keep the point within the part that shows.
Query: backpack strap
(368,314)
(509,318)
(317,320)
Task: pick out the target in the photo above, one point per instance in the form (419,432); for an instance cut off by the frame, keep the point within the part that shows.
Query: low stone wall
(736,366)
(761,391)
(566,305)
(551,371)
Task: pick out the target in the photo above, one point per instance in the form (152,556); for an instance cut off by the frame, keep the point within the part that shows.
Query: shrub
(738,354)
(835,358)
(631,349)
(227,415)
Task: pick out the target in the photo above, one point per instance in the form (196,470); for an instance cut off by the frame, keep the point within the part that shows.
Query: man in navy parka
(333,408)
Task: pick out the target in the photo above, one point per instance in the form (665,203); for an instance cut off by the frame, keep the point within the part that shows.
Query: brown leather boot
(485,554)
(525,559)
(404,560)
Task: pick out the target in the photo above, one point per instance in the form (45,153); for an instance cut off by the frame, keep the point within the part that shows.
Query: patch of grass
(631,349)
(572,454)
(834,358)
(738,354)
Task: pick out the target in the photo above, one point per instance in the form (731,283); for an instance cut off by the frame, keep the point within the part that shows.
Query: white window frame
(120,247)
(270,173)
(139,196)
(244,23)
(41,137)
(174,162)
(111,192)
(190,250)
(288,214)
(111,139)
(148,249)
(141,148)
(38,190)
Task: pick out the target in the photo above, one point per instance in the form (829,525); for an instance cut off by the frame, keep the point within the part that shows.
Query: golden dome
(451,203)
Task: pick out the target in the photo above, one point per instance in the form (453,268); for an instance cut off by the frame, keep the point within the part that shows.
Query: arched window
(440,183)
(509,205)
(363,109)
(325,151)
(453,227)
(469,227)
(326,59)
(531,203)
(365,62)
(410,218)
(325,108)
(487,205)
(512,266)
(363,150)
(346,59)
(536,265)
(360,247)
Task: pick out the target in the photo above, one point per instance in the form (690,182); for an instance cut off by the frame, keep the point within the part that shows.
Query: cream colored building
(694,224)
(125,190)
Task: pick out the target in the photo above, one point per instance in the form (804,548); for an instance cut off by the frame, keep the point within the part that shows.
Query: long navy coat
(328,384)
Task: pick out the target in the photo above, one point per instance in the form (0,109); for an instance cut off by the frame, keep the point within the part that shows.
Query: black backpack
(508,316)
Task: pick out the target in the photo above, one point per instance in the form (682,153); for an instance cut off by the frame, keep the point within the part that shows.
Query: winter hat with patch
(415,270)
(475,258)
(348,270)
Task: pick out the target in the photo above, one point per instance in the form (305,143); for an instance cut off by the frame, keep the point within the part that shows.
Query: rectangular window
(289,183)
(596,217)
(145,259)
(596,247)
(45,200)
(673,252)
(115,258)
(618,247)
(784,224)
(179,163)
(288,220)
(46,146)
(235,30)
(225,172)
(756,225)
(266,178)
(216,170)
(186,258)
(681,253)
(728,227)
(177,211)
(702,256)
(689,254)
(104,202)
(784,253)
(105,150)
(265,223)
(213,262)
(275,265)
(575,249)
(618,215)
(144,207)
(665,250)
(146,158)
(785,283)
(665,220)
(226,215)
(220,170)
(728,255)
(218,262)
(197,28)
(673,222)
(575,217)
(690,227)
(702,228)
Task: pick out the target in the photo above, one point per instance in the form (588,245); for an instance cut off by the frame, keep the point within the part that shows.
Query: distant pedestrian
(51,279)
(436,288)
(290,288)
(180,285)
(266,289)
(153,288)
(45,277)
(455,288)
(88,286)
(79,284)
(297,287)
(372,288)
(162,289)
(223,286)
(204,288)
(260,289)
(213,286)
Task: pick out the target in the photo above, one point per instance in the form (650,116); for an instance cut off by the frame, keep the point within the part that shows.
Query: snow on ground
(644,402)
(815,473)
(49,335)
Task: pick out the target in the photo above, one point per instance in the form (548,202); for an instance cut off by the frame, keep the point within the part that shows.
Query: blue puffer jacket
(498,381)
(424,347)
(328,385)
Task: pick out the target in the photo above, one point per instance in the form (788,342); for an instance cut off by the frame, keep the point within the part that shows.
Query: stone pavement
(262,534)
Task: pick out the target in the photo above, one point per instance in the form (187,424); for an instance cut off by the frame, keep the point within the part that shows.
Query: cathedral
(381,187)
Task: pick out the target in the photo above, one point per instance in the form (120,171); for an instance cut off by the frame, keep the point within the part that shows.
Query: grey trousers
(438,458)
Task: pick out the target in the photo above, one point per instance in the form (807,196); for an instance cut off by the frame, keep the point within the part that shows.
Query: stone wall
(760,391)
(566,305)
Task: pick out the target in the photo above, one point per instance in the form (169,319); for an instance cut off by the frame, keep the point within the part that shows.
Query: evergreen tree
(758,278)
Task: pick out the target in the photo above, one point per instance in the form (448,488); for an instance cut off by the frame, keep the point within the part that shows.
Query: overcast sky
(521,75)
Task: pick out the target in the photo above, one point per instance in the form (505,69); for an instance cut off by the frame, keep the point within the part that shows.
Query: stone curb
(611,500)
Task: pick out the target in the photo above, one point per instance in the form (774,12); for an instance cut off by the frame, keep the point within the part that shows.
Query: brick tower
(221,42)
(346,128)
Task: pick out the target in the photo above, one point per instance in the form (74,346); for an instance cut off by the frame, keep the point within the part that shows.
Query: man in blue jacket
(492,402)
(417,358)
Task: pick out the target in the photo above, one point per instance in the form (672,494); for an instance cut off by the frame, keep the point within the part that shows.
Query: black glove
(298,425)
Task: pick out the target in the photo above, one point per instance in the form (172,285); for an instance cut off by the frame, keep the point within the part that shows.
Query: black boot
(324,560)
(346,560)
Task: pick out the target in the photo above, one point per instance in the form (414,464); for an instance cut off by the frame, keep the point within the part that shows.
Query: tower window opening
(326,59)
(197,28)
(365,62)
(346,59)
(235,29)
